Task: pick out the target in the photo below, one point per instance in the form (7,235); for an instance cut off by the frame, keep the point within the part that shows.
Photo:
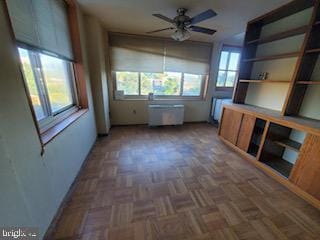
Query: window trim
(230,49)
(201,96)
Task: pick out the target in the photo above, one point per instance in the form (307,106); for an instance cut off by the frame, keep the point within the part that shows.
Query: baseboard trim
(146,124)
(49,233)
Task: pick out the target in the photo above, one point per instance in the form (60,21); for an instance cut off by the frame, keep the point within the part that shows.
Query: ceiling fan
(183,24)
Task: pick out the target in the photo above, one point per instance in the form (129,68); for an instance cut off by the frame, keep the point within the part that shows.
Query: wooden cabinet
(306,172)
(237,128)
(245,133)
(230,125)
(257,133)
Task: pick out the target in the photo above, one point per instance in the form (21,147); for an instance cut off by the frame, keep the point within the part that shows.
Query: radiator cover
(161,115)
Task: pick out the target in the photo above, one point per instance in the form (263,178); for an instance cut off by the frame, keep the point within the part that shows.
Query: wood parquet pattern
(176,183)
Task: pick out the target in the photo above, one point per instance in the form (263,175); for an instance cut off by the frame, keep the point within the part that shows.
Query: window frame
(201,96)
(51,118)
(230,49)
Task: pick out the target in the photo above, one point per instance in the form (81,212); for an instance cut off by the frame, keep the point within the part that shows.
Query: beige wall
(310,106)
(95,44)
(33,186)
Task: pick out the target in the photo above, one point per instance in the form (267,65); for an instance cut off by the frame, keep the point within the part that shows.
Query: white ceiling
(135,16)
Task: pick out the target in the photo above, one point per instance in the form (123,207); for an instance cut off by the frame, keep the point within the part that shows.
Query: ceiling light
(181,35)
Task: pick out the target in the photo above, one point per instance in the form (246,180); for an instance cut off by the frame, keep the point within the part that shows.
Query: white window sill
(162,99)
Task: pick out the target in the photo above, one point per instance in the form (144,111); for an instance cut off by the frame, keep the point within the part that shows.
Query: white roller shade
(42,24)
(137,54)
(187,57)
(23,21)
(60,19)
(147,54)
(45,25)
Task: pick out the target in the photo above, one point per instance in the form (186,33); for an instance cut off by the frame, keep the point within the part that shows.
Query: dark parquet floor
(174,183)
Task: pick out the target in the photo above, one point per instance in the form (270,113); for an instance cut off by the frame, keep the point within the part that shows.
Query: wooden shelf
(309,82)
(262,81)
(315,50)
(288,143)
(278,36)
(272,57)
(280,165)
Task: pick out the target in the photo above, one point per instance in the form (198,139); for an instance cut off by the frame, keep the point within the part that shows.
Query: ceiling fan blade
(203,16)
(202,30)
(160,30)
(163,18)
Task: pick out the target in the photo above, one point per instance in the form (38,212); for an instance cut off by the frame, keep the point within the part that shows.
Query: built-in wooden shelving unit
(284,143)
(306,57)
(306,66)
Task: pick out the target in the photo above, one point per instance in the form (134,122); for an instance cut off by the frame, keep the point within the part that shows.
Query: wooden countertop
(298,123)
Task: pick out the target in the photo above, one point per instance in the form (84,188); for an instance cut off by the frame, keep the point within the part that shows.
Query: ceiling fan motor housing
(182,20)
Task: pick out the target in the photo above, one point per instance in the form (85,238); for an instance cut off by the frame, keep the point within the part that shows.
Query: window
(174,84)
(192,85)
(161,84)
(228,66)
(128,82)
(50,84)
(168,69)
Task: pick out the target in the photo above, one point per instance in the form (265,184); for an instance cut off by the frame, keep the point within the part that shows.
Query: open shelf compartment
(256,137)
(281,148)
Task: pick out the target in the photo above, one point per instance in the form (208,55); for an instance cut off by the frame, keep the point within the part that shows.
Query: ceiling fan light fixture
(181,35)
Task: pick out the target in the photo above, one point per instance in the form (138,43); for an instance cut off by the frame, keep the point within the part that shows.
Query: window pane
(31,83)
(192,85)
(58,82)
(147,83)
(231,76)
(223,60)
(221,78)
(167,83)
(234,60)
(128,82)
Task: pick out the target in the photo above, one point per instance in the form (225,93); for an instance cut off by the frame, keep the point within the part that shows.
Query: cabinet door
(306,172)
(230,125)
(245,133)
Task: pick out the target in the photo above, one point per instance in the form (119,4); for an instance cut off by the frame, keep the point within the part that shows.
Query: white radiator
(160,115)
(217,105)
